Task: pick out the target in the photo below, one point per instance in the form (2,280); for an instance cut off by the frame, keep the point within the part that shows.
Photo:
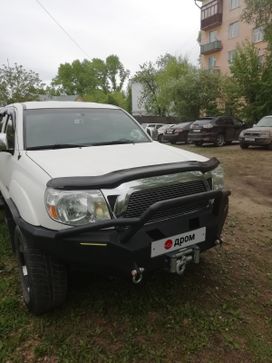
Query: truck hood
(100,160)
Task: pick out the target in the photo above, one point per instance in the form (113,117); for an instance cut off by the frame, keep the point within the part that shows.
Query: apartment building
(222,31)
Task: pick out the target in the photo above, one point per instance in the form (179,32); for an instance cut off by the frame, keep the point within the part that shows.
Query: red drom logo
(168,244)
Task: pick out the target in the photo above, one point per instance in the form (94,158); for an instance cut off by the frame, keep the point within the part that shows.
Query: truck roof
(65,104)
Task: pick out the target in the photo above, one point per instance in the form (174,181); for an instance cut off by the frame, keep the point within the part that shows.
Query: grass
(219,311)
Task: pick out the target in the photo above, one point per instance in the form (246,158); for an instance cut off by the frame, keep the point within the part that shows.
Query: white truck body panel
(24,175)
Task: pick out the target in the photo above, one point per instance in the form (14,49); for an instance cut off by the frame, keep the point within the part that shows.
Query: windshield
(183,124)
(204,121)
(79,127)
(265,122)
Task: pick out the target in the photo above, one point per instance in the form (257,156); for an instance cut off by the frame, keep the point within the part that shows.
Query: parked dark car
(218,130)
(162,130)
(177,133)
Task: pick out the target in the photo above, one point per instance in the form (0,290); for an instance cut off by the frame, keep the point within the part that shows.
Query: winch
(179,260)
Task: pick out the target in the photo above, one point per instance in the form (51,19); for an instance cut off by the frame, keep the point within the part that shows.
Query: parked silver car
(259,135)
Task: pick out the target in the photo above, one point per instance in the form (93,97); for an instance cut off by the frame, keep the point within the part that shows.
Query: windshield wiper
(115,142)
(56,146)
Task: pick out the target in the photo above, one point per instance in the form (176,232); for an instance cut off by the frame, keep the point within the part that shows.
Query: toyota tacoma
(83,185)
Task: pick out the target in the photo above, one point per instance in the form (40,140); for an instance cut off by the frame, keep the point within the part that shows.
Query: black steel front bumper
(121,244)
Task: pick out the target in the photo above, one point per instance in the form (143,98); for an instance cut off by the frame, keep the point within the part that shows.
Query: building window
(231,55)
(234,4)
(234,30)
(258,35)
(212,62)
(212,36)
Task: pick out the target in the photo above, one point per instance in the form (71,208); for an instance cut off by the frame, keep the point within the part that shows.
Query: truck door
(8,158)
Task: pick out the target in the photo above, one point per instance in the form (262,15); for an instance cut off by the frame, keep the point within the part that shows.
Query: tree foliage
(84,78)
(252,81)
(259,12)
(18,84)
(172,86)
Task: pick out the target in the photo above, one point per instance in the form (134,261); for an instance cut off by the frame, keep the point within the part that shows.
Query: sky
(136,30)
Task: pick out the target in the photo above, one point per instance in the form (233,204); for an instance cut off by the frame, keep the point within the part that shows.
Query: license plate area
(250,139)
(178,242)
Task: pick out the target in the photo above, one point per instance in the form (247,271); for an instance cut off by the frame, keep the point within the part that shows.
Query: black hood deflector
(115,178)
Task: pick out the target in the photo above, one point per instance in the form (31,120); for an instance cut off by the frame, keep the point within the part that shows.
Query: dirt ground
(219,311)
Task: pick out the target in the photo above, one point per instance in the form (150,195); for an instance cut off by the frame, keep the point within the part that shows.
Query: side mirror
(3,142)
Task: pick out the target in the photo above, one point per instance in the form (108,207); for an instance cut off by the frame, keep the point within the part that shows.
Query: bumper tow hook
(219,242)
(181,265)
(137,275)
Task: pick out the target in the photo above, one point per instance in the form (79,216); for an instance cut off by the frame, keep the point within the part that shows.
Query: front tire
(243,145)
(43,279)
(220,140)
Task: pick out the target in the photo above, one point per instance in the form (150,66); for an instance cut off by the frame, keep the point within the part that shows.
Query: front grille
(256,134)
(141,200)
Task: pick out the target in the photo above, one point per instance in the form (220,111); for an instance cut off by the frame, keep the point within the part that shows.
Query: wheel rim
(23,271)
(220,140)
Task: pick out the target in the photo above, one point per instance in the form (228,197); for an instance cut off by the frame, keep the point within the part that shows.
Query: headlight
(218,178)
(208,126)
(76,207)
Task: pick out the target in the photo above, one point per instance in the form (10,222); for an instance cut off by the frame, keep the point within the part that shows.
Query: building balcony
(211,14)
(211,47)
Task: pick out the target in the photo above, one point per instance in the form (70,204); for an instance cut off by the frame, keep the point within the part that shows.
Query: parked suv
(217,130)
(84,185)
(259,135)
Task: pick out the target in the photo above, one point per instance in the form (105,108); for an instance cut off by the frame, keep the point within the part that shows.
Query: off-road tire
(43,279)
(220,140)
(243,145)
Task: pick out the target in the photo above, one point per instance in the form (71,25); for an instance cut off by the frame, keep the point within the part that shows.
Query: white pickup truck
(82,184)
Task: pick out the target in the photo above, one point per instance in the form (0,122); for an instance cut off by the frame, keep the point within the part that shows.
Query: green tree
(147,77)
(77,78)
(247,73)
(18,84)
(116,73)
(174,86)
(259,12)
(87,77)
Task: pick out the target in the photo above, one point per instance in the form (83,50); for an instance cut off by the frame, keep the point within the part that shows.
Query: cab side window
(10,132)
(220,122)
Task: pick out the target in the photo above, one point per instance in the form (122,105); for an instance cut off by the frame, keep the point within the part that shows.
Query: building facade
(222,31)
(138,108)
